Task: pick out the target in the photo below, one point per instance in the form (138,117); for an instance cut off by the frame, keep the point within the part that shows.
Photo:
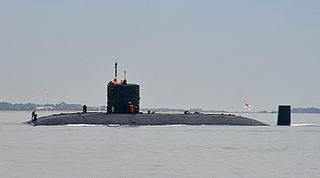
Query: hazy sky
(184,53)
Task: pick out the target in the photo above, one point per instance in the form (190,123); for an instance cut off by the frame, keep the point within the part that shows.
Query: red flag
(247,106)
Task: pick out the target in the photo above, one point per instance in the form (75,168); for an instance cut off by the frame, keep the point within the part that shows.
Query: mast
(116,71)
(125,78)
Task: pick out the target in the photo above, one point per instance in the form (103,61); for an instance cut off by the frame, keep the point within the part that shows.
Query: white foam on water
(173,125)
(114,125)
(84,125)
(304,125)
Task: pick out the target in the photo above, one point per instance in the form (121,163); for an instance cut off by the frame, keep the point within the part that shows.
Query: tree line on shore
(78,107)
(32,106)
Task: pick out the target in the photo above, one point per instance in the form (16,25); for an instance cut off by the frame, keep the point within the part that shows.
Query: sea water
(160,151)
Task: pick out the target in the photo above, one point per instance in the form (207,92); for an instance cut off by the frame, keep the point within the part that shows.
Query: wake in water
(298,125)
(305,125)
(174,125)
(84,125)
(118,125)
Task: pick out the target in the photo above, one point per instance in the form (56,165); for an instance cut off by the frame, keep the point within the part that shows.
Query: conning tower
(121,96)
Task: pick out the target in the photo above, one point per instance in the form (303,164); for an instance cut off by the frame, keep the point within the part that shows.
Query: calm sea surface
(160,151)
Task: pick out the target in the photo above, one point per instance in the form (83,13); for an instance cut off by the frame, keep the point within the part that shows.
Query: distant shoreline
(65,107)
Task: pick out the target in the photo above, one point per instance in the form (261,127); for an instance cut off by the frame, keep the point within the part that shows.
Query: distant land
(7,106)
(54,107)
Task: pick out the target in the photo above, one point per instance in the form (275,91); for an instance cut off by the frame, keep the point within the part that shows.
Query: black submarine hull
(146,119)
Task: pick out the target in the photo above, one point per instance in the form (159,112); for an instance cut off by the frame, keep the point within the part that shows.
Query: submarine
(123,108)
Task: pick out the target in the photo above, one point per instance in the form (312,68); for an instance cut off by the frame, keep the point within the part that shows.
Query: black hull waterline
(146,119)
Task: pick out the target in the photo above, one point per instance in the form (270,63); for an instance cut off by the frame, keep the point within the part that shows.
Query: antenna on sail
(125,77)
(116,71)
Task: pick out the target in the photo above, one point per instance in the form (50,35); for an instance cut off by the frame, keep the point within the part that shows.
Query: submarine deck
(146,119)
